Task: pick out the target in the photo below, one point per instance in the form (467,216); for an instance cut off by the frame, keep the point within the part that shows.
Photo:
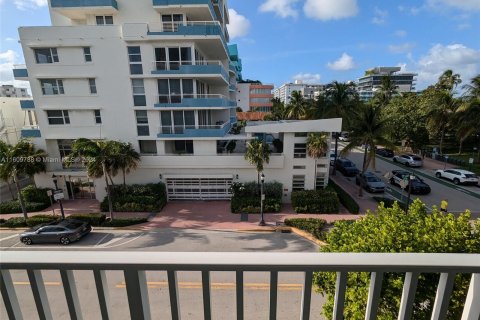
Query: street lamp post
(410,179)
(54,177)
(262,198)
(334,170)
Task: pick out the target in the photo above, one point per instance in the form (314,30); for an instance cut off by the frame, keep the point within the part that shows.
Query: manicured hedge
(123,222)
(13,206)
(33,194)
(16,222)
(310,225)
(94,219)
(246,197)
(41,218)
(150,197)
(315,201)
(345,198)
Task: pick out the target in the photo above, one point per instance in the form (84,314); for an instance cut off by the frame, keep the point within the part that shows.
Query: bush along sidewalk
(36,199)
(311,225)
(94,219)
(150,197)
(315,201)
(345,198)
(246,197)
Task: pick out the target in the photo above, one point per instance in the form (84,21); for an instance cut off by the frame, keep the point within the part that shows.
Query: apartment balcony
(199,131)
(213,68)
(80,9)
(232,87)
(134,266)
(199,7)
(210,101)
(27,104)
(20,72)
(30,132)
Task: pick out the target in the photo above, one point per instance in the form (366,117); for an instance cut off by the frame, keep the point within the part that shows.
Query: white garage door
(197,188)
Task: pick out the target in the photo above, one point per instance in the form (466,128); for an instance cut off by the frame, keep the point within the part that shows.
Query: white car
(458,176)
(343,137)
(410,160)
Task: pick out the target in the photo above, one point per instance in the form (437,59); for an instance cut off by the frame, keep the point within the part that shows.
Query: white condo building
(9,91)
(309,91)
(371,81)
(160,75)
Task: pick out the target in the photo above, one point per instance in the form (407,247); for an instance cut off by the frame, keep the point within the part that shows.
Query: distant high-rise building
(9,91)
(372,81)
(309,91)
(254,96)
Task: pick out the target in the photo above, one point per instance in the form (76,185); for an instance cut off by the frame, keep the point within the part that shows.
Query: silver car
(409,160)
(63,231)
(370,182)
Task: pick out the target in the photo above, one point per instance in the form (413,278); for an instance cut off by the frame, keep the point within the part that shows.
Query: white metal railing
(135,264)
(177,98)
(31,127)
(173,26)
(19,66)
(180,129)
(175,65)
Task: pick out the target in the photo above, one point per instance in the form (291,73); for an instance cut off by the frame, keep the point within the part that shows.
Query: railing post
(137,293)
(9,296)
(444,290)
(173,292)
(306,296)
(273,294)
(207,302)
(471,310)
(340,288)
(71,295)
(102,293)
(39,294)
(408,295)
(374,295)
(239,294)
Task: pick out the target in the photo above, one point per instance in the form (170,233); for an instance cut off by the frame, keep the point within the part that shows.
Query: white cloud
(345,62)
(29,4)
(401,48)
(330,9)
(379,16)
(411,10)
(281,8)
(10,39)
(457,57)
(7,60)
(307,77)
(401,33)
(466,5)
(239,25)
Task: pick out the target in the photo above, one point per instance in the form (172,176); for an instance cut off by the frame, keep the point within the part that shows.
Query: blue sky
(320,41)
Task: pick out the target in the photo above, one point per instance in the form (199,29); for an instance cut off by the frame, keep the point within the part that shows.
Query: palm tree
(448,81)
(257,154)
(369,129)
(297,108)
(98,157)
(472,90)
(387,90)
(317,146)
(127,158)
(20,160)
(4,174)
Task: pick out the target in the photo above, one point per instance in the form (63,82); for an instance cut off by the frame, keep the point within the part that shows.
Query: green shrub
(94,219)
(388,203)
(13,206)
(16,222)
(123,222)
(150,197)
(315,201)
(246,197)
(251,189)
(33,194)
(252,205)
(41,218)
(345,198)
(310,225)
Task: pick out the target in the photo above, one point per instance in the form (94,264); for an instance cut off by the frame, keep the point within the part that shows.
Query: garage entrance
(199,188)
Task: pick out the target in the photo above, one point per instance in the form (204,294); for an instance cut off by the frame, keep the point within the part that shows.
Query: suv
(458,176)
(370,182)
(346,167)
(410,160)
(418,185)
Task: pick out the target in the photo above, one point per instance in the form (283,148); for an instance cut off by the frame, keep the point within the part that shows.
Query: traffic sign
(58,195)
(470,160)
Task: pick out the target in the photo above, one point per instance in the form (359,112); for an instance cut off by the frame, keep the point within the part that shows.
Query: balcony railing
(134,266)
(30,132)
(186,27)
(193,100)
(218,130)
(83,3)
(20,72)
(190,67)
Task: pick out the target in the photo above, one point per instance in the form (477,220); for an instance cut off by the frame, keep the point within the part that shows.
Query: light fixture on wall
(160,176)
(236,176)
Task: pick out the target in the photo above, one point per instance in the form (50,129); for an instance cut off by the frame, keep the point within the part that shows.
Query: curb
(308,236)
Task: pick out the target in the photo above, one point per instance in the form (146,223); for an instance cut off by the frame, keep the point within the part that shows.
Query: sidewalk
(365,203)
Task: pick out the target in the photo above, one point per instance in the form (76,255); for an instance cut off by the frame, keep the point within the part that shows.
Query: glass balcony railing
(30,132)
(83,3)
(27,104)
(20,72)
(193,100)
(190,67)
(187,131)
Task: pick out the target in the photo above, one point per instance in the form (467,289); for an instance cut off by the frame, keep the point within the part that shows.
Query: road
(459,197)
(256,284)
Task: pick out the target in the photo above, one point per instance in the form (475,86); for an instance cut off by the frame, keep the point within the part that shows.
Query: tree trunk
(460,146)
(10,189)
(20,198)
(124,182)
(441,141)
(111,180)
(109,197)
(360,190)
(258,182)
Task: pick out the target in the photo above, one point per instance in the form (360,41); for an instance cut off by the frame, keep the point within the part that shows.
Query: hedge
(315,201)
(246,197)
(150,197)
(388,203)
(123,222)
(252,205)
(33,194)
(13,206)
(40,219)
(345,198)
(94,219)
(16,222)
(310,225)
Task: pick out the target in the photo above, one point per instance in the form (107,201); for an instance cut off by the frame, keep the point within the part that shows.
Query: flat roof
(322,125)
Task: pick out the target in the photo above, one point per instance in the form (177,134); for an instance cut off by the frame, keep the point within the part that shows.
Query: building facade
(9,91)
(372,81)
(13,119)
(309,91)
(157,74)
(254,97)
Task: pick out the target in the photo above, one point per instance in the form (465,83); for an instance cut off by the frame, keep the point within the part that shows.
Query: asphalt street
(256,284)
(459,198)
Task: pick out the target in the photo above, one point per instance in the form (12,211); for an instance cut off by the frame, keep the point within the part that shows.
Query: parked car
(458,176)
(384,152)
(343,136)
(410,160)
(346,167)
(418,185)
(63,231)
(370,182)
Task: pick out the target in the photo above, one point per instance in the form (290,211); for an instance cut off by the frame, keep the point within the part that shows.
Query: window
(298,183)
(142,123)
(64,147)
(46,55)
(173,58)
(103,20)
(87,54)
(138,89)
(58,117)
(173,90)
(182,119)
(52,86)
(148,146)
(98,117)
(300,134)
(299,150)
(184,146)
(321,180)
(299,167)
(92,85)
(170,22)
(135,58)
